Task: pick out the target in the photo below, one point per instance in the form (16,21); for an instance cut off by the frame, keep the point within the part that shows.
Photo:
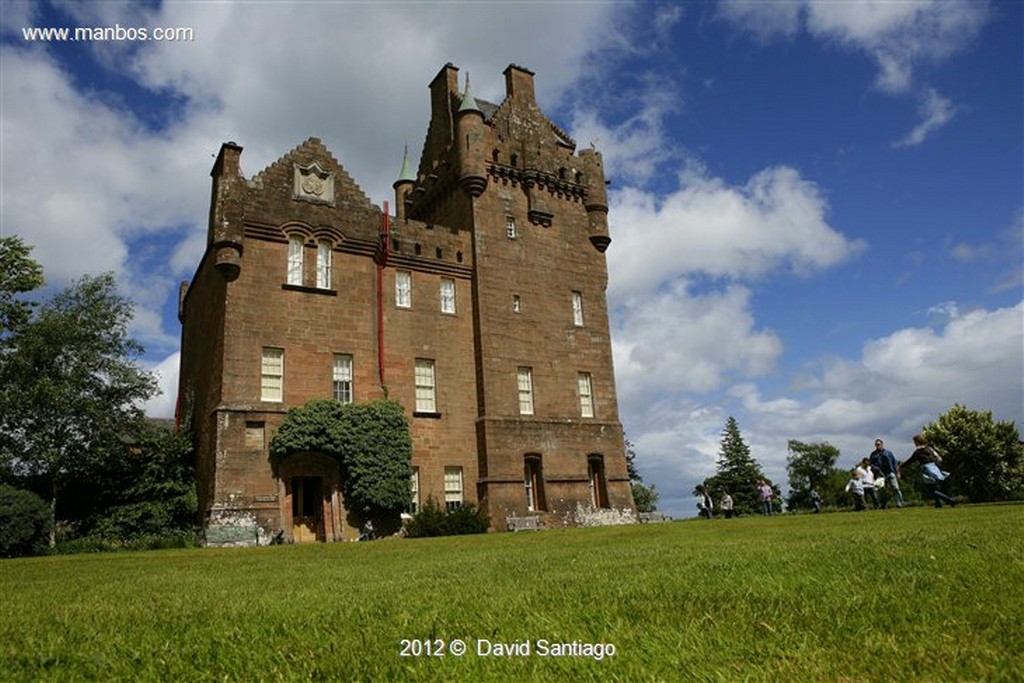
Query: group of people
(707,507)
(879,473)
(876,479)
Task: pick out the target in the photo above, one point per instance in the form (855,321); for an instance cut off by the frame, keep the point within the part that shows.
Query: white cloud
(776,220)
(674,341)
(899,36)
(166,371)
(936,111)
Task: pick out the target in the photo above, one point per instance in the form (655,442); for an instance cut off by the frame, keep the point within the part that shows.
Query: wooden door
(307,509)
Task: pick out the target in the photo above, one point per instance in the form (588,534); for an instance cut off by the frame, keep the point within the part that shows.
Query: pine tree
(737,472)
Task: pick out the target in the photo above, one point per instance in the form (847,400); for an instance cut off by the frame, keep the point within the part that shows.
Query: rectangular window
(272,381)
(452,487)
(517,304)
(447,295)
(577,309)
(586,395)
(414,487)
(295,260)
(403,289)
(525,381)
(341,378)
(426,395)
(323,264)
(510,227)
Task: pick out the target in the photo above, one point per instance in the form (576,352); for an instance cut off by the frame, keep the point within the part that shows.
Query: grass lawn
(900,595)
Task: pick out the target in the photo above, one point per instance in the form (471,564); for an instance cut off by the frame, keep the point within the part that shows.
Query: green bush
(24,522)
(433,520)
(465,519)
(103,544)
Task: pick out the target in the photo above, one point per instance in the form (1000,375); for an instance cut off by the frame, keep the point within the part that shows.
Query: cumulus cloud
(777,219)
(677,341)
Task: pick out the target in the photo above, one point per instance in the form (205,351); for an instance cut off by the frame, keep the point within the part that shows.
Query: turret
(597,198)
(469,143)
(404,184)
(226,211)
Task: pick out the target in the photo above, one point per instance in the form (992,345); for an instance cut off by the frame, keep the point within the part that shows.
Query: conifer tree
(737,472)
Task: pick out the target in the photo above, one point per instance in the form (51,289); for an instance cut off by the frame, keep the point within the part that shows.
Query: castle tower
(548,432)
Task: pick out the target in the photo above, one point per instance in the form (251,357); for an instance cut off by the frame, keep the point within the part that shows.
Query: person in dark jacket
(883,463)
(931,474)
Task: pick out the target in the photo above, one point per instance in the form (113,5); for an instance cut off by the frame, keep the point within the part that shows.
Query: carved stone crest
(313,184)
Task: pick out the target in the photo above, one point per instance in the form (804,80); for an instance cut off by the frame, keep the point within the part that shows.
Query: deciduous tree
(18,274)
(985,457)
(811,466)
(70,388)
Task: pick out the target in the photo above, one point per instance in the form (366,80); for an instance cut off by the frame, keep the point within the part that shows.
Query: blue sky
(816,208)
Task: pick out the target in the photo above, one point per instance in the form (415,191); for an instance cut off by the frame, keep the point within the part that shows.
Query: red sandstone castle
(479,306)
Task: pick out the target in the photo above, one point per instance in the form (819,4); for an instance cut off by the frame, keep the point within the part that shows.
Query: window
(295,260)
(272,380)
(586,395)
(525,380)
(595,473)
(426,401)
(414,487)
(510,227)
(533,480)
(577,309)
(447,295)
(341,378)
(323,264)
(452,488)
(403,289)
(517,304)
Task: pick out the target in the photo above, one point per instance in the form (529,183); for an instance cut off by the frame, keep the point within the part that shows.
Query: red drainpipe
(381,262)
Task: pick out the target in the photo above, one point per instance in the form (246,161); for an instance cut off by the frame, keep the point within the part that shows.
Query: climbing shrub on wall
(370,441)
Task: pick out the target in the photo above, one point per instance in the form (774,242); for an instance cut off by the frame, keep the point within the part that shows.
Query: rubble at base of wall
(585,515)
(235,528)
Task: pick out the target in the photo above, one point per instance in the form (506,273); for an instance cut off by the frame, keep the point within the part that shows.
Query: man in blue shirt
(883,463)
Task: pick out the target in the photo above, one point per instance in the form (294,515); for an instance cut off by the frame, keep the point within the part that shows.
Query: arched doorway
(311,507)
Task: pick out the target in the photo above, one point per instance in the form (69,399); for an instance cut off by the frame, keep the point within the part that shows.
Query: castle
(479,306)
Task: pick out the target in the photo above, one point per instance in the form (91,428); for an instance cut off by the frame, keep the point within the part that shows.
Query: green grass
(902,595)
